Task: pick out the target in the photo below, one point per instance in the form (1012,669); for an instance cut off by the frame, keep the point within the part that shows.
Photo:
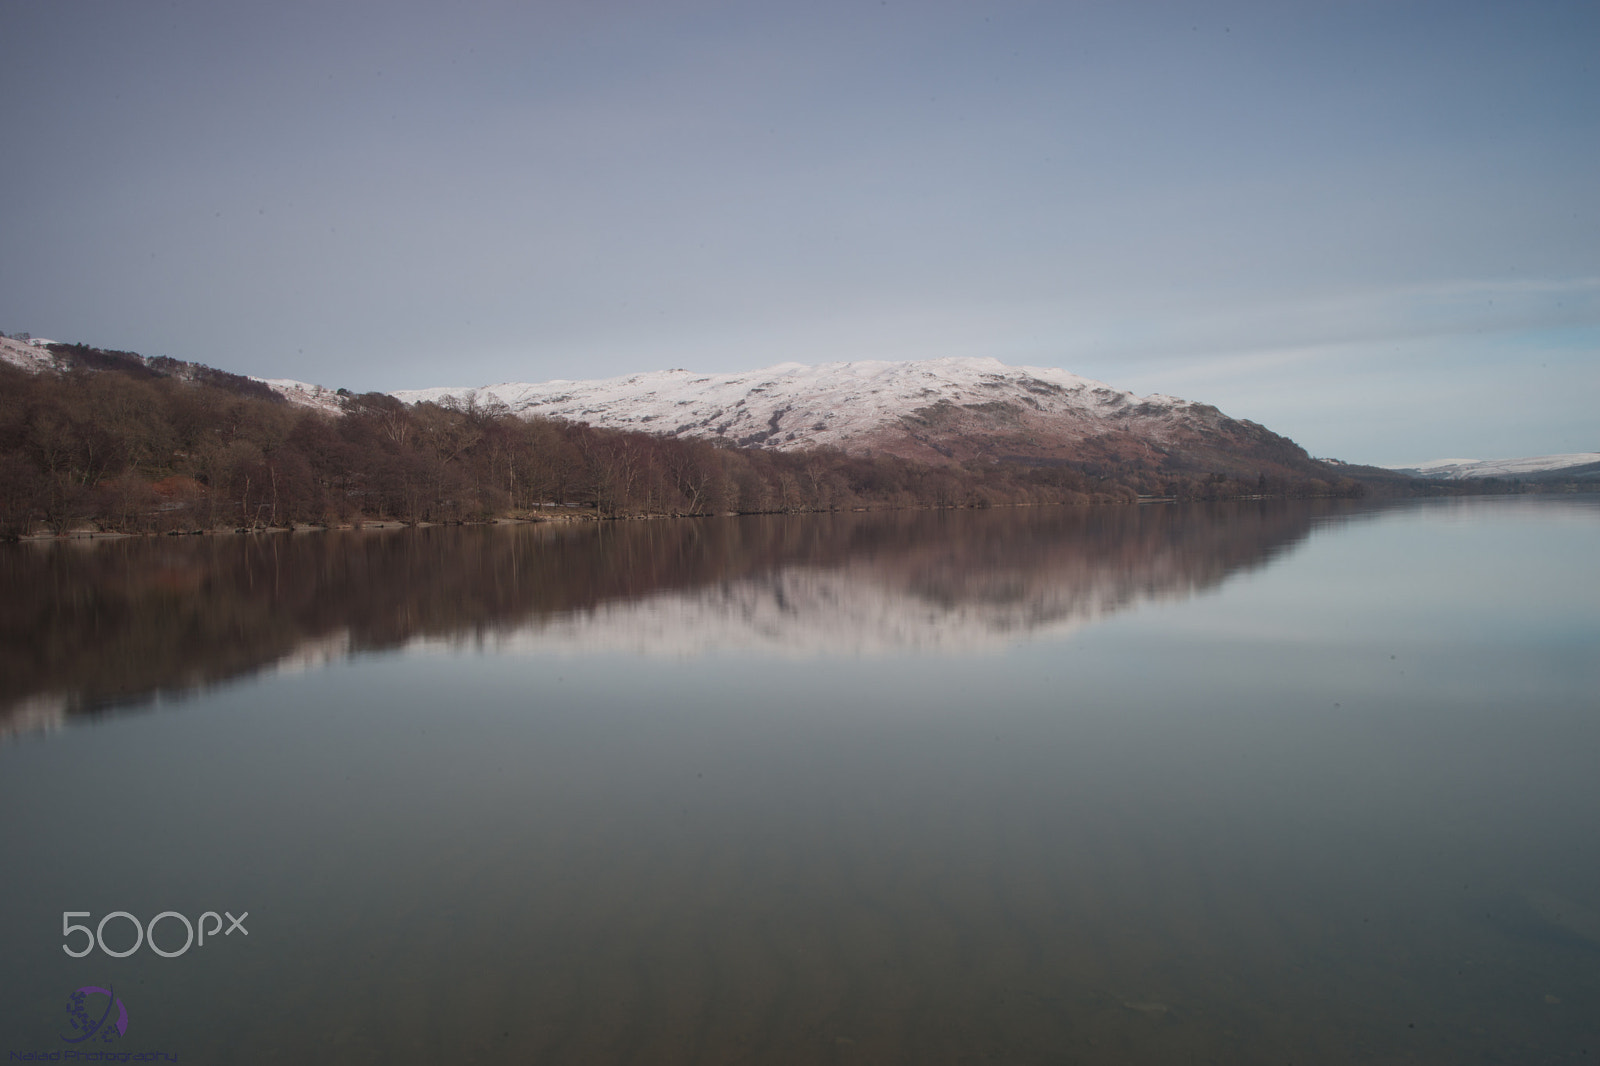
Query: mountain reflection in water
(92,626)
(856,801)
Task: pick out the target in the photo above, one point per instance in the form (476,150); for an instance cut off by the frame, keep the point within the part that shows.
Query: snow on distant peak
(800,405)
(1457,469)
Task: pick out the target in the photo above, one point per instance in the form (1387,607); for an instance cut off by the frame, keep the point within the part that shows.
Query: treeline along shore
(111,442)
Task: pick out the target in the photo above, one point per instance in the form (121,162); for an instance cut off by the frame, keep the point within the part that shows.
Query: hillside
(934,411)
(37,355)
(114,441)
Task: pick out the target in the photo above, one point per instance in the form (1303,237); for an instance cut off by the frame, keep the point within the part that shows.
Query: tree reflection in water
(88,627)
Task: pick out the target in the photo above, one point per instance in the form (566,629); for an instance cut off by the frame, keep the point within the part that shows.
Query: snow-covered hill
(1458,469)
(935,410)
(794,405)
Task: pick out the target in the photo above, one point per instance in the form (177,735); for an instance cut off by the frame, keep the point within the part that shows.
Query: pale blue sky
(1374,227)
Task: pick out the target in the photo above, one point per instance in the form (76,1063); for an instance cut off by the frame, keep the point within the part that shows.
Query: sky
(1372,227)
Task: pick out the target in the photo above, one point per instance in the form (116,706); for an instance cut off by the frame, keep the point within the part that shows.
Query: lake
(1261,782)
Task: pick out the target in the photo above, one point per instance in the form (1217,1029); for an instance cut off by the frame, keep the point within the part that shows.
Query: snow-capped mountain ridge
(1459,469)
(793,405)
(950,410)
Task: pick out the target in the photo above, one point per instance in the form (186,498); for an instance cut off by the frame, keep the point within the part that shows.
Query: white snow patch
(302,394)
(31,355)
(1456,469)
(795,405)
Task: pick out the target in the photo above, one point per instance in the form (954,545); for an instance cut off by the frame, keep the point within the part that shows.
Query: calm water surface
(1254,783)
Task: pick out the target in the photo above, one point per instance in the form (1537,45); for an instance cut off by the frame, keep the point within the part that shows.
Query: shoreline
(567,519)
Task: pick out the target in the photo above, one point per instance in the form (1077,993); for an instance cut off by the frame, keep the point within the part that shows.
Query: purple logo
(78,1009)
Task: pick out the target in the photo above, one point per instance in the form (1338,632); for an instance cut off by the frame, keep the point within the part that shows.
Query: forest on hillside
(111,442)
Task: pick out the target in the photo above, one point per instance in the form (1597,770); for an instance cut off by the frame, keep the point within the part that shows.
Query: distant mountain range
(1573,465)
